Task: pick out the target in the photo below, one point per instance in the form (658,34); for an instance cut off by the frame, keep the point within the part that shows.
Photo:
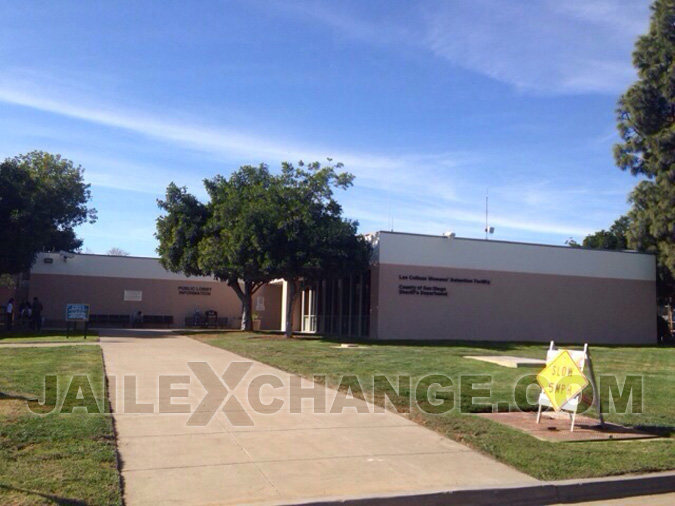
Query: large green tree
(43,198)
(228,238)
(646,123)
(257,227)
(243,218)
(614,239)
(621,236)
(313,240)
(180,230)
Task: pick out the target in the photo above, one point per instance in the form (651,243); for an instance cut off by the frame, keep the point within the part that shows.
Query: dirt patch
(555,427)
(13,408)
(272,337)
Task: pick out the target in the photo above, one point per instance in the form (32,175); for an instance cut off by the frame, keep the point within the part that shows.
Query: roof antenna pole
(391,219)
(486,214)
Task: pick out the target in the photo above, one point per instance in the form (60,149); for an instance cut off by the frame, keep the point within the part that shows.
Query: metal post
(551,346)
(596,391)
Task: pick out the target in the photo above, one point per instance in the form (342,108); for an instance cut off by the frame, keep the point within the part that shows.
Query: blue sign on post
(77,312)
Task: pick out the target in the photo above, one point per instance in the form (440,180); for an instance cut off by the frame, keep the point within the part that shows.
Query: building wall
(106,296)
(442,288)
(270,317)
(101,281)
(5,295)
(375,302)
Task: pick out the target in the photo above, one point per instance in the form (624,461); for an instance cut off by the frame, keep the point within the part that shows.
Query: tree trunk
(293,291)
(245,297)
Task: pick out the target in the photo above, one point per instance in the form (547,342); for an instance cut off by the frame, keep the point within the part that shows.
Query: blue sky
(430,104)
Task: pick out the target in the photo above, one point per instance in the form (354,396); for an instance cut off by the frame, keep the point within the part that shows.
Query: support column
(285,294)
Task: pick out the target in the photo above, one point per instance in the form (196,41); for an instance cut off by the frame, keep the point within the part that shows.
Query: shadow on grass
(444,343)
(32,334)
(53,498)
(436,343)
(136,333)
(197,332)
(657,430)
(451,343)
(15,397)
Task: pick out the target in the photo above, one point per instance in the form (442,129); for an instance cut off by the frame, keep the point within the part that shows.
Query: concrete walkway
(246,442)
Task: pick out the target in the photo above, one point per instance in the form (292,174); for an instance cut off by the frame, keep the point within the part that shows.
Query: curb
(561,492)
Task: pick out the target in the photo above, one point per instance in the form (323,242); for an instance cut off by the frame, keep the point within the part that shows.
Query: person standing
(36,314)
(9,314)
(138,319)
(23,315)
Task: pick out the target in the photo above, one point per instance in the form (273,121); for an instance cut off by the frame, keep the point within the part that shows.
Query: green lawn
(47,336)
(55,458)
(543,460)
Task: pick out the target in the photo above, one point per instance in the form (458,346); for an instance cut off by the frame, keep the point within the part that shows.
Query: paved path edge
(560,492)
(110,412)
(51,344)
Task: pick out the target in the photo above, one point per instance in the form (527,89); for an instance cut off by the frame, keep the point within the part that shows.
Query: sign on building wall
(260,303)
(77,312)
(432,286)
(194,290)
(133,295)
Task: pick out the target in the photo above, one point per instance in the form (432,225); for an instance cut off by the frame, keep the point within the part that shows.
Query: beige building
(423,287)
(117,287)
(438,287)
(419,287)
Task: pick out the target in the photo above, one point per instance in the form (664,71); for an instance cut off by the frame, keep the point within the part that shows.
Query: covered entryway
(339,306)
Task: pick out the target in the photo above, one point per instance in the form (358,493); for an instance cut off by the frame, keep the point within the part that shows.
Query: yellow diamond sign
(561,380)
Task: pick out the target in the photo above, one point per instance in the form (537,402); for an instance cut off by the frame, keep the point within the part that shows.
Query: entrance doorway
(337,306)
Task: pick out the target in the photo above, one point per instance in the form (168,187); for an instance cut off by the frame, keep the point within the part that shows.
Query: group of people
(25,313)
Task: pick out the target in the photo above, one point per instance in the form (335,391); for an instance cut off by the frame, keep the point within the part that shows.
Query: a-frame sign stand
(581,359)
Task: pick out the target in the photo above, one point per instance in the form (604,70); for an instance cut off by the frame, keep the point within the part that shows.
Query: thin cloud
(350,22)
(373,170)
(540,46)
(217,141)
(552,47)
(464,222)
(618,14)
(410,180)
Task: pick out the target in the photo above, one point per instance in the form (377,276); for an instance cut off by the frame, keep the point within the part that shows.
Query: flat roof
(440,251)
(522,243)
(113,266)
